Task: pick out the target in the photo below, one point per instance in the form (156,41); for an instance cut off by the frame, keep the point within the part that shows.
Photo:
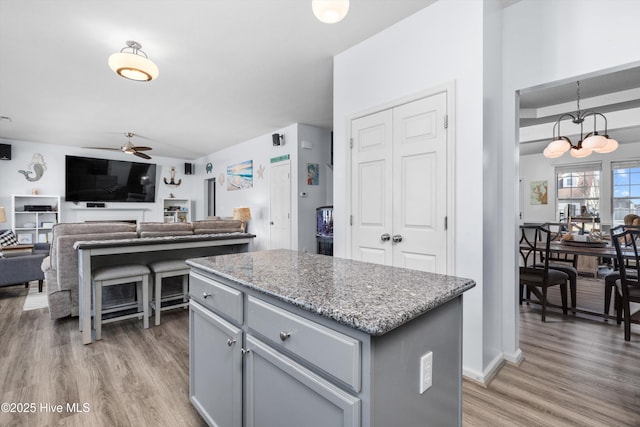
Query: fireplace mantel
(109,213)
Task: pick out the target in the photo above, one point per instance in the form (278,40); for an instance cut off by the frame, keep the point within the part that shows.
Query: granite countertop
(369,297)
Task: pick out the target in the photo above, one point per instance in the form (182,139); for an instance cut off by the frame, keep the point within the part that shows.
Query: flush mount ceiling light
(133,64)
(593,142)
(330,11)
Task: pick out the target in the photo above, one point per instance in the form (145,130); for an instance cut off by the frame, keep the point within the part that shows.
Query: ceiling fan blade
(104,148)
(144,156)
(142,148)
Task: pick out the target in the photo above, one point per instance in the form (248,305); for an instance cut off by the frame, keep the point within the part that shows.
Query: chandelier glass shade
(133,64)
(592,142)
(330,11)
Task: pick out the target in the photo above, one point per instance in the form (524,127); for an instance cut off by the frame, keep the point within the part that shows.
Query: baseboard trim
(515,358)
(488,374)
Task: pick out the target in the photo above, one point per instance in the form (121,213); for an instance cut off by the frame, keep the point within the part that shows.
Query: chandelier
(592,142)
(133,64)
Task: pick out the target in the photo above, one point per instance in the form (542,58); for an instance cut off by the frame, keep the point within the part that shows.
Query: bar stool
(170,268)
(119,275)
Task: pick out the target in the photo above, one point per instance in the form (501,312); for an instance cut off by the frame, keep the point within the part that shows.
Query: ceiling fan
(129,148)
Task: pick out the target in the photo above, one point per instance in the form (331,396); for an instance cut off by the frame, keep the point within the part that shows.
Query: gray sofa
(22,269)
(61,267)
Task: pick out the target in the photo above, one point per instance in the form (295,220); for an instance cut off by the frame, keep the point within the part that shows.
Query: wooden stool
(170,268)
(120,275)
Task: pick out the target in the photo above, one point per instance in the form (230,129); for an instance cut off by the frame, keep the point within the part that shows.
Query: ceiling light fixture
(134,64)
(593,142)
(330,11)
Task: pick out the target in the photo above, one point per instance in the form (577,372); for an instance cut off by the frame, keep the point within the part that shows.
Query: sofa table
(100,253)
(283,338)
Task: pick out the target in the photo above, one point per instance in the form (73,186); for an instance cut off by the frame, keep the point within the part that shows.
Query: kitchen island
(283,338)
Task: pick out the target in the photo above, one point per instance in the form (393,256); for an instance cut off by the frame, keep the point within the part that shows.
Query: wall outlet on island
(426,371)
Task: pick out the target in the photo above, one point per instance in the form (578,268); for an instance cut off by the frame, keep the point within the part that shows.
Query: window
(626,190)
(578,190)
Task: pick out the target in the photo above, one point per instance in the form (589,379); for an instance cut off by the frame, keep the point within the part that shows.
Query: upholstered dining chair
(535,273)
(627,286)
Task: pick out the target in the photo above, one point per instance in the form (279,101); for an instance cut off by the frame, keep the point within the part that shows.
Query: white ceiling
(614,93)
(230,70)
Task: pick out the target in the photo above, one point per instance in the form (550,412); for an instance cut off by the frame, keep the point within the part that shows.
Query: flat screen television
(103,180)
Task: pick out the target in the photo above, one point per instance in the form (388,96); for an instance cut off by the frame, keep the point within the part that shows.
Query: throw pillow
(8,239)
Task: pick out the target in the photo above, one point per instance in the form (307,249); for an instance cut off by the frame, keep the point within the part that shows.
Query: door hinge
(446,121)
(446,223)
(350,219)
(351,143)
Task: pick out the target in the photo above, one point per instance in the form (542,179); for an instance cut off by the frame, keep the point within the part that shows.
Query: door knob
(385,237)
(231,342)
(397,238)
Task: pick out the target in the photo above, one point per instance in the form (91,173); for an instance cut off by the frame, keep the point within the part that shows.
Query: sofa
(61,266)
(24,268)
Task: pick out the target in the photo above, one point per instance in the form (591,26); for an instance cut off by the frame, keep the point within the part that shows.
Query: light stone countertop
(369,297)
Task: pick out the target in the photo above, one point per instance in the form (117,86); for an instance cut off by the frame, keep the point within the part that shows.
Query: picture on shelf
(25,238)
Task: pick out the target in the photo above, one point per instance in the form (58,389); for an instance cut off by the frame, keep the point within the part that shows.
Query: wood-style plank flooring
(577,372)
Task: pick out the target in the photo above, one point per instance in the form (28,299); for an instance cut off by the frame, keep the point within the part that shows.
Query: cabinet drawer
(329,350)
(220,298)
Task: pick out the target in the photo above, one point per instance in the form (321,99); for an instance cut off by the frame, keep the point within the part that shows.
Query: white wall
(53,180)
(261,150)
(545,41)
(441,43)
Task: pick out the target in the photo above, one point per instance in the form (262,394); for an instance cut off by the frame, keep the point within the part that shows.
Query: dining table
(601,249)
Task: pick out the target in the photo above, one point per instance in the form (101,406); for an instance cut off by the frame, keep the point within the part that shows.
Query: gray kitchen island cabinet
(282,338)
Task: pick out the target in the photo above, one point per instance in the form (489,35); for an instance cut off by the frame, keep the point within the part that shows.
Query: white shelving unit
(33,225)
(176,210)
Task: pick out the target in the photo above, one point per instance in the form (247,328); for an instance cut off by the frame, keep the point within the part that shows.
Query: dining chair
(535,273)
(567,263)
(627,286)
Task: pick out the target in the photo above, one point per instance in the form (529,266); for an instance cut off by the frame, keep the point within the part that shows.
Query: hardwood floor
(577,371)
(132,377)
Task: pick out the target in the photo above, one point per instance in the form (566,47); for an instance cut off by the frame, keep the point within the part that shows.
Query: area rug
(35,299)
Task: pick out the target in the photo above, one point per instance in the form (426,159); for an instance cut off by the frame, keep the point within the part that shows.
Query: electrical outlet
(426,371)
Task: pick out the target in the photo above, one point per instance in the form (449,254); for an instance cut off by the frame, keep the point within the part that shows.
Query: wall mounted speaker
(276,137)
(5,152)
(188,169)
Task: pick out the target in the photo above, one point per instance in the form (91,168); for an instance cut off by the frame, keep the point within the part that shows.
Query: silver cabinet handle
(245,351)
(285,335)
(397,238)
(205,295)
(385,237)
(231,342)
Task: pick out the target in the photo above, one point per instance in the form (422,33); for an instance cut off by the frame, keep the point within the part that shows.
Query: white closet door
(371,190)
(420,185)
(399,186)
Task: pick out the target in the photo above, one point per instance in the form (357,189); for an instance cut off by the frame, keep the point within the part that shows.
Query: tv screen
(103,180)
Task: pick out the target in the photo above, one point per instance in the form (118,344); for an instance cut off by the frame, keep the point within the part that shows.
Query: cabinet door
(215,367)
(280,392)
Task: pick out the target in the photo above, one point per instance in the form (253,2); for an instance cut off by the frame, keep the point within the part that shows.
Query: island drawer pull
(285,335)
(231,342)
(205,295)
